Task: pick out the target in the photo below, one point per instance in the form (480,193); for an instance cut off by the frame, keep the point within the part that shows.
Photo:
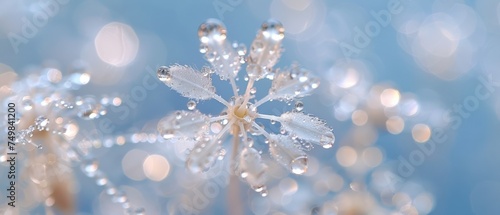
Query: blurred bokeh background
(409,87)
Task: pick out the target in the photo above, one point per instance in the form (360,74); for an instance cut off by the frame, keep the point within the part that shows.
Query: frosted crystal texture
(203,155)
(308,128)
(183,124)
(283,149)
(218,51)
(266,49)
(296,83)
(252,169)
(187,81)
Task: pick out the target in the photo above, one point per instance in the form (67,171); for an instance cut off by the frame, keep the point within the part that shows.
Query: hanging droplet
(203,48)
(253,90)
(212,29)
(89,109)
(191,105)
(40,147)
(119,197)
(163,74)
(327,140)
(299,165)
(299,106)
(41,123)
(140,211)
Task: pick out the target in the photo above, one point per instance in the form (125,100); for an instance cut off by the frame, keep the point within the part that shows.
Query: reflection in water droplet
(299,165)
(191,105)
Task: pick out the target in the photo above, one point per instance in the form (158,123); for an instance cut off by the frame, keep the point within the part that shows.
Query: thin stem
(269,117)
(245,137)
(235,205)
(225,129)
(221,100)
(233,85)
(217,118)
(247,94)
(264,132)
(263,100)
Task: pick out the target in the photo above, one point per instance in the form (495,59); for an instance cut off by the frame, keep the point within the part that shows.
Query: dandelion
(240,112)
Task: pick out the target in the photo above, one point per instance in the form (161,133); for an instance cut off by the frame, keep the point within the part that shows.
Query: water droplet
(40,147)
(139,211)
(191,105)
(259,188)
(253,90)
(89,167)
(27,104)
(119,197)
(273,29)
(299,165)
(244,174)
(299,106)
(164,74)
(241,49)
(41,123)
(89,109)
(203,48)
(263,193)
(327,140)
(212,29)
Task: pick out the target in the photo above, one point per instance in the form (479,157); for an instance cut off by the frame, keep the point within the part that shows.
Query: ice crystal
(241,111)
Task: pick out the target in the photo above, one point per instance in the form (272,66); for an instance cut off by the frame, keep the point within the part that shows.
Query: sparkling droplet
(89,167)
(89,109)
(27,104)
(119,197)
(191,105)
(263,193)
(164,74)
(299,165)
(40,147)
(203,48)
(299,106)
(212,29)
(41,123)
(244,174)
(253,90)
(327,140)
(273,29)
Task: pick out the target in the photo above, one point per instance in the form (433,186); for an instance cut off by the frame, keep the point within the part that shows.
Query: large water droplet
(299,165)
(27,104)
(164,74)
(191,105)
(299,106)
(273,29)
(212,29)
(327,140)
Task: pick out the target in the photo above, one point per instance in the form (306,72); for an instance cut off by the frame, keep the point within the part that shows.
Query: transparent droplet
(89,109)
(203,48)
(119,197)
(212,29)
(244,174)
(41,123)
(139,211)
(327,140)
(40,147)
(253,90)
(299,165)
(164,74)
(273,29)
(299,106)
(27,104)
(89,167)
(191,105)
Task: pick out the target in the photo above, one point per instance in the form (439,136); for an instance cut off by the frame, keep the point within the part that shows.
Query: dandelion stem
(233,85)
(247,94)
(269,117)
(235,205)
(263,100)
(217,118)
(244,133)
(221,100)
(264,132)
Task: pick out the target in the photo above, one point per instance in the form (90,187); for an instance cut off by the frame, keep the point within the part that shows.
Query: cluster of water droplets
(266,49)
(292,84)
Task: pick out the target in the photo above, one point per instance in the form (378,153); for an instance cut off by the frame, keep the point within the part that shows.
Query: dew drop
(89,167)
(41,123)
(191,105)
(244,174)
(119,197)
(253,90)
(27,104)
(299,106)
(327,140)
(212,29)
(299,165)
(40,147)
(164,74)
(203,48)
(273,29)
